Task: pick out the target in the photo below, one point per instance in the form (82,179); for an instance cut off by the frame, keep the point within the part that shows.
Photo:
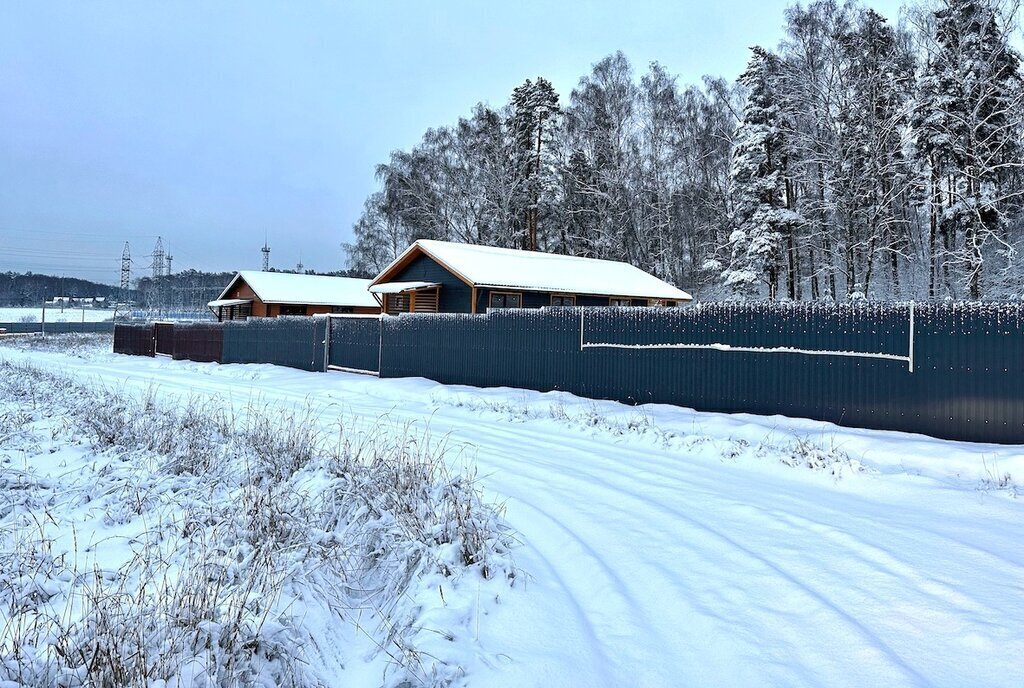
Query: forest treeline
(861,158)
(31,289)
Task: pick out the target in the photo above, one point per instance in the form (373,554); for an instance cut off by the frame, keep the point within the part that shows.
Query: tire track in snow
(702,529)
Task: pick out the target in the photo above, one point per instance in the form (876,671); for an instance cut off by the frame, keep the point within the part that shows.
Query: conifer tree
(762,217)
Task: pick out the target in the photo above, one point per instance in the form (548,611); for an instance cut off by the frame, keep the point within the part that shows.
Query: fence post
(327,343)
(910,354)
(42,326)
(380,344)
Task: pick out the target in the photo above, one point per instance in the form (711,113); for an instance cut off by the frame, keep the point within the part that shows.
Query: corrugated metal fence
(58,327)
(354,342)
(293,342)
(949,370)
(202,342)
(134,339)
(850,365)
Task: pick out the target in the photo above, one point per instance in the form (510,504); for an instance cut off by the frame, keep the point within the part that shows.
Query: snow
(228,302)
(399,287)
(666,547)
(54,314)
(504,268)
(313,290)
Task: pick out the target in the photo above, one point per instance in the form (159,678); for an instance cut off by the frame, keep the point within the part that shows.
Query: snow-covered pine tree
(874,176)
(763,220)
(967,124)
(533,123)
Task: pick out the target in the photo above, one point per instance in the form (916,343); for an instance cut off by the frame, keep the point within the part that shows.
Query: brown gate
(163,335)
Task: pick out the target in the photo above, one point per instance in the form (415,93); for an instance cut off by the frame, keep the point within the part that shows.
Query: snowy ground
(54,314)
(664,547)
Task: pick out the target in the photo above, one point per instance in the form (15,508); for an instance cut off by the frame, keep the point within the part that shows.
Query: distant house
(444,277)
(270,294)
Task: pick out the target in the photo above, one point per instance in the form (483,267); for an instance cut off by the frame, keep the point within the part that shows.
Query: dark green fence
(952,370)
(58,327)
(354,342)
(293,342)
(850,365)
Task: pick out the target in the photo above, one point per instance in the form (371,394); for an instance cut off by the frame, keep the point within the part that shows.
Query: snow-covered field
(8,315)
(655,546)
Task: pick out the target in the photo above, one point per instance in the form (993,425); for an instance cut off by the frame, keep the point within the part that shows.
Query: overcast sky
(213,124)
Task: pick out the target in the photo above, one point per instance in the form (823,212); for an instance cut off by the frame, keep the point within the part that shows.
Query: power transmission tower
(299,267)
(167,261)
(126,272)
(158,264)
(266,254)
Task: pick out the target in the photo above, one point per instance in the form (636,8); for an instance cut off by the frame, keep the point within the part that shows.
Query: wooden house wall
(541,299)
(456,295)
(241,290)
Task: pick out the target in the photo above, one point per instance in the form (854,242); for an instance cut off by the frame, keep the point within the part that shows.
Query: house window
(563,300)
(239,312)
(500,299)
(342,309)
(671,304)
(292,309)
(619,302)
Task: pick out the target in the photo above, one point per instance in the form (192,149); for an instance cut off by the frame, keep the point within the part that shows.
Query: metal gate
(353,343)
(163,335)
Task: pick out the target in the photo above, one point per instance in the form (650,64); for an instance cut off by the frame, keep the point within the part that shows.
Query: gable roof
(313,290)
(507,268)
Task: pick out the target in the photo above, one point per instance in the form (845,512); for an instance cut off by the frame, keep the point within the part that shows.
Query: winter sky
(212,124)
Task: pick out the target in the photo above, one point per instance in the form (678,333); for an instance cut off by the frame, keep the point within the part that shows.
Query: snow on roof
(228,302)
(486,266)
(400,287)
(313,290)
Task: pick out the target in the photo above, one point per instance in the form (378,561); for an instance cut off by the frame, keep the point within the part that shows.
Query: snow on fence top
(487,266)
(313,290)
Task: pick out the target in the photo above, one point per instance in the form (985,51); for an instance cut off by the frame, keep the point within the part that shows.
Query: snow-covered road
(663,547)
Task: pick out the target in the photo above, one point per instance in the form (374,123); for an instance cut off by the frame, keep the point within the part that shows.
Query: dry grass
(234,518)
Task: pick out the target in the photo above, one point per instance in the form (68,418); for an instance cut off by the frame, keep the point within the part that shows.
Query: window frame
(612,302)
(292,306)
(563,297)
(492,294)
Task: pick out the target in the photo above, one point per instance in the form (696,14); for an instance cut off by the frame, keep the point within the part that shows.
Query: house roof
(312,290)
(505,268)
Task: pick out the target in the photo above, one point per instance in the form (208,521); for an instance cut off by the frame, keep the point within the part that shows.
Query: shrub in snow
(235,522)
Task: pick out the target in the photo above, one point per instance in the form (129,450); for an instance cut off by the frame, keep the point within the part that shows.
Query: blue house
(445,277)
